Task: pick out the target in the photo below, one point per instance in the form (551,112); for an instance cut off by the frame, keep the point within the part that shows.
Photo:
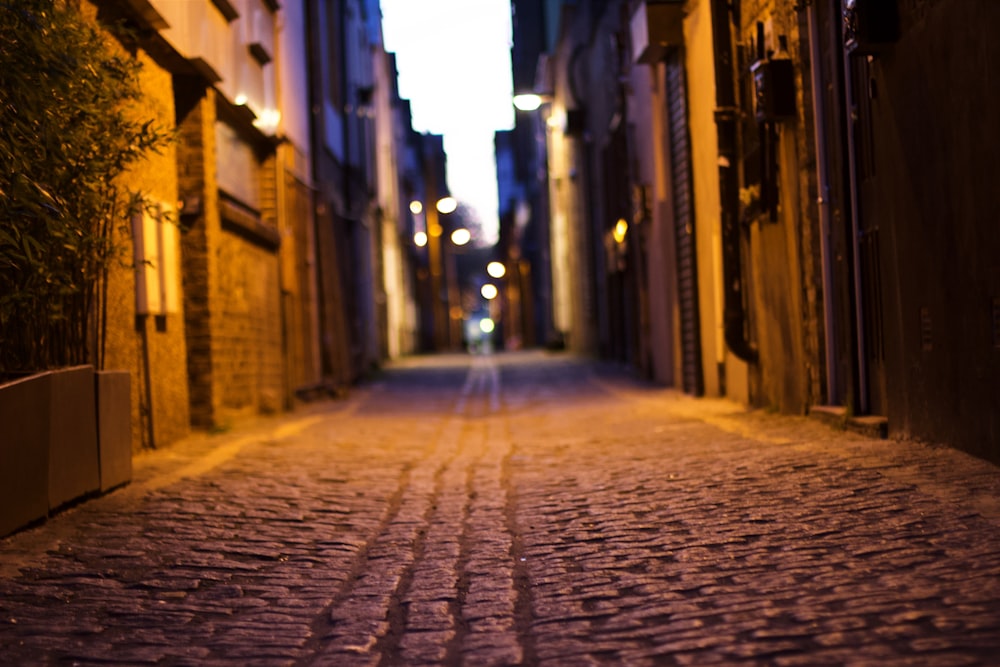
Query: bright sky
(453,58)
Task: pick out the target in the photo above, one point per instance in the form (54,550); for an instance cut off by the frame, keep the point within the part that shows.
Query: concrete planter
(66,434)
(24,451)
(114,428)
(74,465)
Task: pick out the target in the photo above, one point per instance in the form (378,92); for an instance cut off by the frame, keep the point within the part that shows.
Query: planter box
(24,451)
(66,434)
(114,427)
(74,468)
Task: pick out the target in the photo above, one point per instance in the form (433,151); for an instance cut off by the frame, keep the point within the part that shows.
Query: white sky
(453,58)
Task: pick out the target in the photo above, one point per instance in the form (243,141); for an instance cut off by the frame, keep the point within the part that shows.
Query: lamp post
(528,294)
(459,237)
(444,288)
(440,291)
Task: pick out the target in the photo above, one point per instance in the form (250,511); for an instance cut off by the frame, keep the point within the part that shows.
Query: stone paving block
(429,616)
(490,656)
(425,647)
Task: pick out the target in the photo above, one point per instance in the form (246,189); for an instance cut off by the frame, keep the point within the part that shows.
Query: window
(157,261)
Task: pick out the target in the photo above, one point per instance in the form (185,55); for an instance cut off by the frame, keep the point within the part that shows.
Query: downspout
(822,201)
(322,311)
(281,218)
(355,343)
(726,117)
(861,403)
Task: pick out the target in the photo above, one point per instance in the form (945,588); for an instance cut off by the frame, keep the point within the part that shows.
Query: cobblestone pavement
(519,509)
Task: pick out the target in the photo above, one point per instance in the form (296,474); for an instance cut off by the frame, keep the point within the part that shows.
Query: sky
(453,58)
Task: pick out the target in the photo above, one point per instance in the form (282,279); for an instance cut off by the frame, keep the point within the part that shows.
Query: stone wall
(935,109)
(201,230)
(783,269)
(231,279)
(246,336)
(152,348)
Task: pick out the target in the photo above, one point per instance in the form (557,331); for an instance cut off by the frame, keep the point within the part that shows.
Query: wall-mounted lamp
(446,205)
(496,270)
(528,101)
(621,229)
(268,121)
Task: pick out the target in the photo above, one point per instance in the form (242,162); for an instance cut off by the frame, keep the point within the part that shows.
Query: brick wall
(231,284)
(197,188)
(299,292)
(246,344)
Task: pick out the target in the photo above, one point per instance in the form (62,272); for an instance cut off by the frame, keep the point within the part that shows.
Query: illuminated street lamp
(416,208)
(621,228)
(420,239)
(496,270)
(489,291)
(446,205)
(527,101)
(461,236)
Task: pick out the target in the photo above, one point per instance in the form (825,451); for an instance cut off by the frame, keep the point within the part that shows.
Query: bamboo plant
(69,128)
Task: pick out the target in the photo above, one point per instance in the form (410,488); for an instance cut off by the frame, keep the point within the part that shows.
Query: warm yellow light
(621,228)
(489,291)
(461,236)
(268,121)
(527,101)
(447,204)
(496,269)
(416,208)
(240,100)
(420,239)
(486,325)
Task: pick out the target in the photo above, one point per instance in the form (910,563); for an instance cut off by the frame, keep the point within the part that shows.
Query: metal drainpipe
(822,201)
(726,118)
(862,401)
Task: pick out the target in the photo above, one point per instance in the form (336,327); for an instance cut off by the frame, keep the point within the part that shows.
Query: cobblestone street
(519,509)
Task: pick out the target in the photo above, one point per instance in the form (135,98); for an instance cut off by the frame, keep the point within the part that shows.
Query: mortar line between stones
(397,614)
(322,625)
(522,583)
(452,433)
(453,657)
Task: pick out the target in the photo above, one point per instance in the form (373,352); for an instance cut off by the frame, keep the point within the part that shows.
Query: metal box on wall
(654,28)
(774,89)
(870,25)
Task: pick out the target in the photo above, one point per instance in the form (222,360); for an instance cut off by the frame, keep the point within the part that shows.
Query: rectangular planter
(114,427)
(24,451)
(74,468)
(64,434)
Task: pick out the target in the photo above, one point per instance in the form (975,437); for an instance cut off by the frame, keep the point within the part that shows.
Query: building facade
(769,201)
(270,267)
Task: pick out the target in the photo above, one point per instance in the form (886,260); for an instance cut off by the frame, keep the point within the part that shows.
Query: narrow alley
(518,509)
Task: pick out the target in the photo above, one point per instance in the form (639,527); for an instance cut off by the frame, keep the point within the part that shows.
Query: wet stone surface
(519,509)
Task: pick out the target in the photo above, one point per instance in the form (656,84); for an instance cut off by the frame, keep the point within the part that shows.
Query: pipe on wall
(822,201)
(726,119)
